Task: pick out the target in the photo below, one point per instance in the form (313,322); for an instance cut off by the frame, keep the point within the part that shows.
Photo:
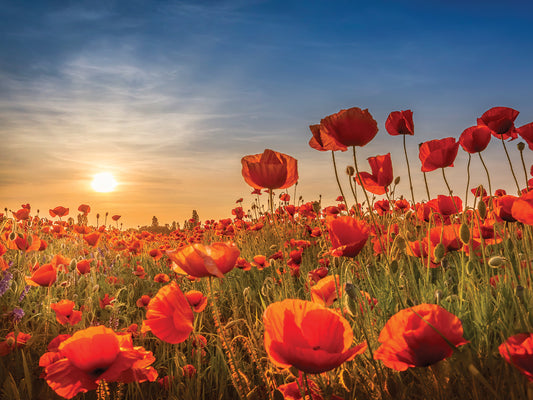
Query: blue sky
(169,95)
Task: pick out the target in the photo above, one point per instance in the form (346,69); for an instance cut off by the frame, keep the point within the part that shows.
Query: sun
(104,182)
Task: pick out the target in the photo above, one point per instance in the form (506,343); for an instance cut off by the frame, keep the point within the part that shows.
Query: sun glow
(104,182)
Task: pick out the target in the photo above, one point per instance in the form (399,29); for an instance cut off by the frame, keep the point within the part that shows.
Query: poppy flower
(475,139)
(59,211)
(326,290)
(92,239)
(161,278)
(351,127)
(22,215)
(84,266)
(93,355)
(116,217)
(526,133)
(200,260)
(65,313)
(500,120)
(348,236)
(414,337)
(308,336)
(270,170)
(25,243)
(400,123)
(169,315)
(504,206)
(105,301)
(518,351)
(291,391)
(322,141)
(45,275)
(84,208)
(196,300)
(438,153)
(381,177)
(522,208)
(11,342)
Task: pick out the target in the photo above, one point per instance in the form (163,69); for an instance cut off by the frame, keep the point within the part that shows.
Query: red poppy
(518,351)
(65,313)
(522,208)
(169,315)
(438,153)
(291,391)
(84,266)
(348,236)
(500,120)
(400,123)
(161,278)
(59,211)
(200,260)
(504,206)
(526,133)
(323,141)
(105,301)
(326,290)
(414,337)
(92,239)
(381,177)
(116,217)
(270,170)
(308,336)
(143,301)
(22,214)
(45,275)
(475,139)
(84,208)
(446,205)
(12,342)
(351,127)
(93,355)
(25,243)
(196,300)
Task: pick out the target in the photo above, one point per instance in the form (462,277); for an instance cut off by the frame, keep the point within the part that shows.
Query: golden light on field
(104,182)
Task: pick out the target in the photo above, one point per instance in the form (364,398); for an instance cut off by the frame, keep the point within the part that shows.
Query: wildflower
(351,127)
(419,336)
(381,177)
(77,368)
(24,292)
(11,342)
(84,208)
(400,123)
(500,120)
(200,260)
(44,275)
(326,290)
(115,217)
(92,239)
(291,390)
(196,300)
(307,336)
(522,208)
(475,139)
(65,313)
(188,371)
(17,314)
(526,133)
(105,301)
(143,301)
(348,236)
(22,215)
(59,211)
(438,153)
(518,351)
(270,170)
(169,315)
(161,278)
(84,266)
(323,141)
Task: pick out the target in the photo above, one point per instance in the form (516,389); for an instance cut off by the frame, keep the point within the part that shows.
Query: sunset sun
(103,182)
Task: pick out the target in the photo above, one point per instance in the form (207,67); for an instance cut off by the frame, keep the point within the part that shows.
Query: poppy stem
(521,149)
(450,191)
(427,187)
(354,192)
(467,179)
(408,171)
(307,388)
(271,201)
(510,164)
(487,172)
(338,181)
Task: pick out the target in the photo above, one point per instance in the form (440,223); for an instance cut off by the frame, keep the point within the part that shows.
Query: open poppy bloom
(408,339)
(59,211)
(45,275)
(326,290)
(348,236)
(322,141)
(308,336)
(518,351)
(438,153)
(200,260)
(65,313)
(196,300)
(526,133)
(93,355)
(270,170)
(381,177)
(116,217)
(500,120)
(169,315)
(84,208)
(400,123)
(475,139)
(351,127)
(22,214)
(92,239)
(12,342)
(522,208)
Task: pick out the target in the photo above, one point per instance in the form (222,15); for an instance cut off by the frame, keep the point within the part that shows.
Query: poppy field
(378,296)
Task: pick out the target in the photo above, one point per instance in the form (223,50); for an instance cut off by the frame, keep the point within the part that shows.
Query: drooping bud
(439,252)
(521,146)
(497,261)
(464,233)
(397,180)
(482,209)
(350,171)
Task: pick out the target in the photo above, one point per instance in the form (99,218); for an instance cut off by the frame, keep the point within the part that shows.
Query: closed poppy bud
(497,261)
(464,233)
(521,146)
(350,171)
(482,209)
(439,252)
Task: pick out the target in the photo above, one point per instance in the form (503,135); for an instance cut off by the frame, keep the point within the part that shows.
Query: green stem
(467,179)
(450,191)
(427,187)
(338,181)
(510,164)
(487,172)
(524,166)
(409,171)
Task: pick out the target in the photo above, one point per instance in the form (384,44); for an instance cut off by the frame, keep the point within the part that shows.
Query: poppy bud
(10,341)
(350,290)
(439,251)
(273,247)
(497,261)
(464,233)
(12,236)
(72,265)
(470,267)
(350,171)
(520,146)
(246,293)
(438,295)
(482,209)
(397,180)
(400,242)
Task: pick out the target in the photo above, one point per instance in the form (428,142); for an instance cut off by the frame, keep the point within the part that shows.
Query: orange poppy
(84,266)
(25,243)
(105,301)
(143,301)
(351,127)
(196,300)
(169,315)
(161,278)
(59,211)
(84,208)
(44,275)
(323,141)
(414,337)
(12,342)
(500,120)
(92,239)
(93,355)
(65,313)
(438,153)
(326,290)
(400,123)
(381,177)
(200,260)
(270,170)
(522,208)
(22,214)
(291,391)
(518,351)
(116,217)
(308,336)
(348,236)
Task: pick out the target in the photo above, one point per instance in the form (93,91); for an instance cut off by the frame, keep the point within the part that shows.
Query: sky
(168,96)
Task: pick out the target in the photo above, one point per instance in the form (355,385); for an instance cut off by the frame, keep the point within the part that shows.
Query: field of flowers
(363,299)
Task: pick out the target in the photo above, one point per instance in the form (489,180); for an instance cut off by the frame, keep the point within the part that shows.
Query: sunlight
(104,182)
